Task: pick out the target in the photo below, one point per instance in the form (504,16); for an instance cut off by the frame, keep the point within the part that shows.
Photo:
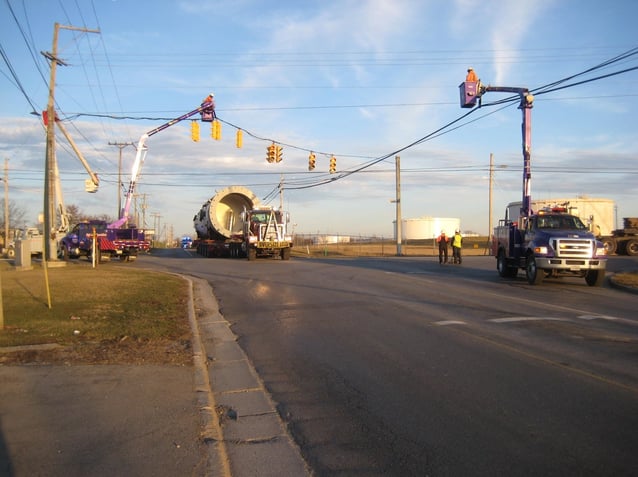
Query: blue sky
(358,79)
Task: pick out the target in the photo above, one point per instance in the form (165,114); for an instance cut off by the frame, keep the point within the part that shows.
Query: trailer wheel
(631,247)
(251,253)
(610,245)
(504,270)
(595,278)
(533,273)
(285,253)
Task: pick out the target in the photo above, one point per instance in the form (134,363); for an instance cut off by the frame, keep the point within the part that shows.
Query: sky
(363,80)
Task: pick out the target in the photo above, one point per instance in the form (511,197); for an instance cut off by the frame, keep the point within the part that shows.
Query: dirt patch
(125,350)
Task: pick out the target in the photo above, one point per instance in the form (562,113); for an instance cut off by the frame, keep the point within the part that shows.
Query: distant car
(187,242)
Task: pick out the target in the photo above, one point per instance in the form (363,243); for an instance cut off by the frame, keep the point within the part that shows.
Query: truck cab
(550,243)
(266,233)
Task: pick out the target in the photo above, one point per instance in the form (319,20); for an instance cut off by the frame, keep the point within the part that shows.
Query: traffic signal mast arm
(141,154)
(471,91)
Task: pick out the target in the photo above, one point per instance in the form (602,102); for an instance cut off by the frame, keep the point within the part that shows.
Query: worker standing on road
(442,240)
(471,75)
(457,243)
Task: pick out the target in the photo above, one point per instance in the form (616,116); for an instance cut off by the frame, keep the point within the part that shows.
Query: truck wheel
(533,273)
(504,270)
(285,253)
(64,253)
(610,245)
(595,278)
(251,253)
(631,247)
(11,252)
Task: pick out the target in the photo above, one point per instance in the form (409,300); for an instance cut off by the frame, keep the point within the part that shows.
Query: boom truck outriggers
(549,243)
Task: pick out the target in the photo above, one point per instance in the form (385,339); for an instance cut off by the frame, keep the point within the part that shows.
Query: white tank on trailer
(220,217)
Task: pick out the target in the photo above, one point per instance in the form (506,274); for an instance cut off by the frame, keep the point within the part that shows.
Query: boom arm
(141,155)
(471,91)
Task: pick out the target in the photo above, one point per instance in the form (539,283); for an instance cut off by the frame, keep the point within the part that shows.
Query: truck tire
(504,270)
(285,253)
(610,245)
(251,253)
(595,278)
(533,273)
(11,252)
(631,247)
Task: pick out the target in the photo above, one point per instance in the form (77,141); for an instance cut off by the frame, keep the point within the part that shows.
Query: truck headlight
(601,251)
(540,250)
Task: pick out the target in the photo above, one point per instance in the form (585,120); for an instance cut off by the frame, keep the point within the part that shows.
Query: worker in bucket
(457,244)
(442,240)
(471,75)
(208,114)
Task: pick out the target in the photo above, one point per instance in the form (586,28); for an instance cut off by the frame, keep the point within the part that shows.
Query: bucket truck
(550,242)
(121,239)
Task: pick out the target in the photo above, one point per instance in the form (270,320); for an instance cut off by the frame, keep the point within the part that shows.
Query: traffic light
(270,156)
(195,131)
(278,153)
(216,130)
(239,139)
(333,164)
(312,161)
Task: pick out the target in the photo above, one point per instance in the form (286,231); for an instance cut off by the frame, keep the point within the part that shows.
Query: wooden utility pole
(49,179)
(6,204)
(398,203)
(120,145)
(489,220)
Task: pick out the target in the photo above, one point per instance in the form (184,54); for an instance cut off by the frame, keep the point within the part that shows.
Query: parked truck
(548,243)
(599,216)
(623,241)
(233,223)
(123,244)
(545,243)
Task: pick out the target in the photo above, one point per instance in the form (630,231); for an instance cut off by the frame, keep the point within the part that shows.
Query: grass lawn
(111,304)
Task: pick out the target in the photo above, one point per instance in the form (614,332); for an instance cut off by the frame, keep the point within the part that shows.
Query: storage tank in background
(427,227)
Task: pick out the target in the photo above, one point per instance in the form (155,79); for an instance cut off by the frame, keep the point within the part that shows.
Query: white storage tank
(427,227)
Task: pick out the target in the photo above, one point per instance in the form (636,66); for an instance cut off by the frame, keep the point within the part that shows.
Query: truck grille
(573,248)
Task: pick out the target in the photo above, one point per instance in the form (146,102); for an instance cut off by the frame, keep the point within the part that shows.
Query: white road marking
(526,318)
(449,322)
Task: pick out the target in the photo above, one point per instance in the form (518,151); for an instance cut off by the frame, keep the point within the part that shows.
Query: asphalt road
(400,366)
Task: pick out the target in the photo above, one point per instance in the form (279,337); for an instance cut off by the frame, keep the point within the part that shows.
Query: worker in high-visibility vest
(471,75)
(457,243)
(442,240)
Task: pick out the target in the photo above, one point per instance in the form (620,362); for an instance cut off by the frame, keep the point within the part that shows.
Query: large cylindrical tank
(220,217)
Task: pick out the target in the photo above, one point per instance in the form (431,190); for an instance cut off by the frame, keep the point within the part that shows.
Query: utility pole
(120,145)
(49,184)
(6,204)
(156,225)
(397,200)
(281,193)
(489,220)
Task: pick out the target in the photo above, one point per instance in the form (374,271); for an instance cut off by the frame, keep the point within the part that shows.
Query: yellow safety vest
(456,241)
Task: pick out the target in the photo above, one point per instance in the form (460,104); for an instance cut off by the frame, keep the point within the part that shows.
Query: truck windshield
(568,222)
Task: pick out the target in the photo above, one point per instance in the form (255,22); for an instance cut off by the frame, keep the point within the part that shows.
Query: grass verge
(109,314)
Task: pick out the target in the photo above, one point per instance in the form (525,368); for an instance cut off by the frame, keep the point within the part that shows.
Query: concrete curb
(620,286)
(239,415)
